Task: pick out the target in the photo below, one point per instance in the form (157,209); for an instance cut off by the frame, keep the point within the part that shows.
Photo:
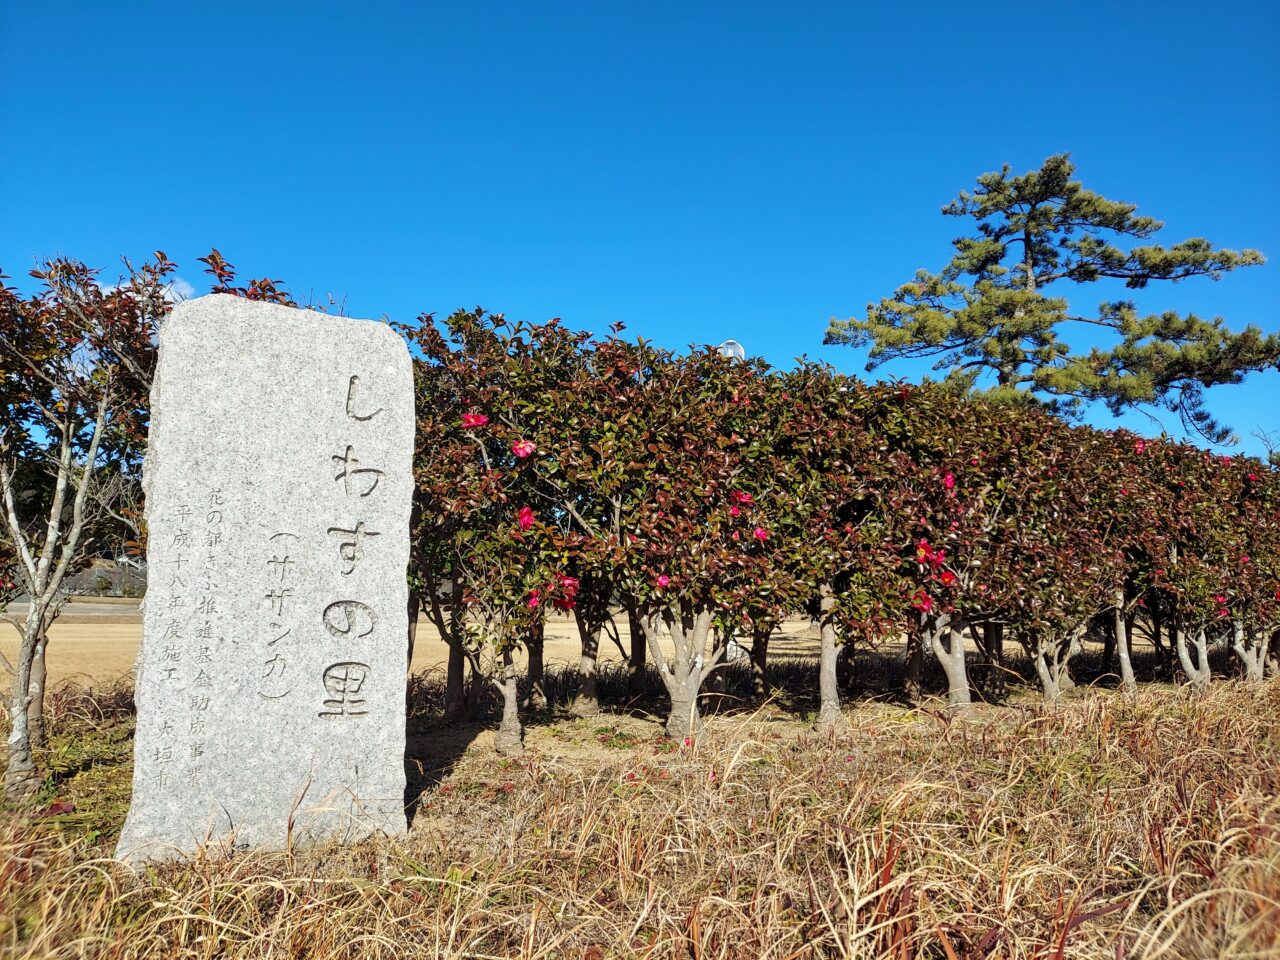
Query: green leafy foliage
(996,310)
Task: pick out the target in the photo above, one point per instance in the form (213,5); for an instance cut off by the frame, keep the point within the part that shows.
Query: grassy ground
(1110,828)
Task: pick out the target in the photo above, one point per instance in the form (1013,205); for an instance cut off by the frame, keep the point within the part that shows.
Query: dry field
(93,644)
(1120,829)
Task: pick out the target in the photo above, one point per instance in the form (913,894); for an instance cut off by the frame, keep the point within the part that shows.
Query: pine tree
(994,310)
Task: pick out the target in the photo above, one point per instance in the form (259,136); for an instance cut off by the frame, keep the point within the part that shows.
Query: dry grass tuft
(1111,828)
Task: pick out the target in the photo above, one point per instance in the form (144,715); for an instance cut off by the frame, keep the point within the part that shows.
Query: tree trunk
(1074,646)
(991,678)
(1052,658)
(35,711)
(913,668)
(1273,656)
(1164,641)
(714,687)
(537,696)
(684,720)
(455,694)
(951,656)
(1108,650)
(635,662)
(587,702)
(415,610)
(1049,680)
(21,778)
(1198,672)
(1127,681)
(1252,653)
(510,740)
(684,674)
(760,663)
(477,687)
(829,715)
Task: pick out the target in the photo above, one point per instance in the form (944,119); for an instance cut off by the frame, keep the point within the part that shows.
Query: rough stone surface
(271,679)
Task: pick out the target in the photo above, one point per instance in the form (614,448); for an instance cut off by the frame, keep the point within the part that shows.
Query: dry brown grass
(1112,828)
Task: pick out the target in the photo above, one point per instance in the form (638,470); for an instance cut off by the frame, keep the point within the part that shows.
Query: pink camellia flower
(926,554)
(947,578)
(761,533)
(1140,446)
(735,535)
(1220,600)
(663,580)
(534,599)
(523,448)
(470,420)
(949,481)
(525,518)
(922,601)
(741,497)
(735,511)
(1253,478)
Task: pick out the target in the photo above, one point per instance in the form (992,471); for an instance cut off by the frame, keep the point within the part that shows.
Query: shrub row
(711,498)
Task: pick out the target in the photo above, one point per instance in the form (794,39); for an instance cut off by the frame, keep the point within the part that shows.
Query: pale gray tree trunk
(946,640)
(1051,658)
(1197,671)
(829,715)
(688,668)
(21,778)
(39,675)
(1049,680)
(587,701)
(42,569)
(1252,651)
(510,740)
(1127,681)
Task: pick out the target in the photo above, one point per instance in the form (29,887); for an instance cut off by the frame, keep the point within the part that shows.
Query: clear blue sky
(697,171)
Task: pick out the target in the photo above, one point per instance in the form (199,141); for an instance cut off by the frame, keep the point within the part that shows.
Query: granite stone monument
(271,679)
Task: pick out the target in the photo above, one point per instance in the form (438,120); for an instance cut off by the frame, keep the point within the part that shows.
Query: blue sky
(697,171)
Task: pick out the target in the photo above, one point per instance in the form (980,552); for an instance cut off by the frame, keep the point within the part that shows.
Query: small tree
(996,308)
(680,556)
(490,556)
(1251,594)
(70,409)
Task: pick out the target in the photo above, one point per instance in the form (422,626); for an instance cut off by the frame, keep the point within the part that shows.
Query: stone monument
(271,679)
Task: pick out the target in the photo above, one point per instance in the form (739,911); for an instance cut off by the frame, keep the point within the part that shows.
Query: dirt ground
(93,645)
